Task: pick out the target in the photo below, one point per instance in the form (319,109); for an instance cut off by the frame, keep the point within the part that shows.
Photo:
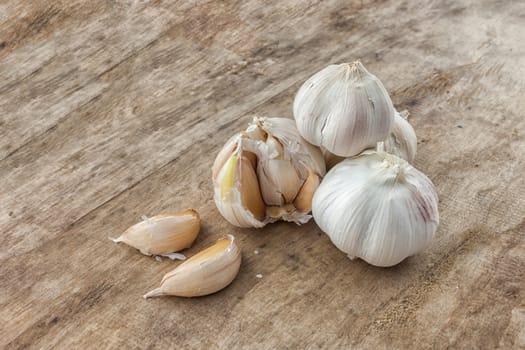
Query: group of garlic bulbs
(372,203)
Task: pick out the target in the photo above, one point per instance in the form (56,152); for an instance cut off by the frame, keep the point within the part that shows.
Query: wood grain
(110,110)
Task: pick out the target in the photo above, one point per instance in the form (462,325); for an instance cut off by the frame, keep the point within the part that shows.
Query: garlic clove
(280,181)
(303,201)
(344,109)
(237,194)
(377,207)
(205,273)
(224,155)
(402,140)
(163,234)
(295,148)
(251,195)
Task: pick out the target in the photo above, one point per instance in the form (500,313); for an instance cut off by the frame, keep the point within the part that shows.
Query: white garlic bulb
(402,140)
(377,207)
(267,173)
(344,109)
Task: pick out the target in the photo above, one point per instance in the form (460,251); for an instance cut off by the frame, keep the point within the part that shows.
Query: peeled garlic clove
(344,109)
(377,207)
(279,163)
(209,271)
(402,140)
(163,234)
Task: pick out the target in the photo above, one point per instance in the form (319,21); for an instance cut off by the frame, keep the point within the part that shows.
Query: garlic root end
(174,256)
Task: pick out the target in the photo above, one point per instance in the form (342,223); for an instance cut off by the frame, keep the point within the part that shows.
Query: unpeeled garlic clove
(163,234)
(344,109)
(402,140)
(303,201)
(207,272)
(279,175)
(237,194)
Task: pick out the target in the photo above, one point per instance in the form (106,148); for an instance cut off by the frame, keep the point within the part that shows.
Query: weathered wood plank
(141,139)
(137,133)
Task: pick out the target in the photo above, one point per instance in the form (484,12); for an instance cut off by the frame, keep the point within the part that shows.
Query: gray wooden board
(110,110)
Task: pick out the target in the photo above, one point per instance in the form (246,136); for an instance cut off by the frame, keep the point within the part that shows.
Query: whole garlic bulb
(344,109)
(267,173)
(377,207)
(402,140)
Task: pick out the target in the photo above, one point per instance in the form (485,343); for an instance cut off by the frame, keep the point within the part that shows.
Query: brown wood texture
(110,110)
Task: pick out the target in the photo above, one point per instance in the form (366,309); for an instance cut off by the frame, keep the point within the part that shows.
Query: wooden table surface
(110,110)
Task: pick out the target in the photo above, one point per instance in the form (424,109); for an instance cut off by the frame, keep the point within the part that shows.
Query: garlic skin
(267,173)
(163,234)
(377,207)
(402,140)
(205,273)
(344,109)
(331,159)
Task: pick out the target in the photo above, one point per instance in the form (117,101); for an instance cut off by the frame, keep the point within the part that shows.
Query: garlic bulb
(163,234)
(402,140)
(377,207)
(267,173)
(205,273)
(344,109)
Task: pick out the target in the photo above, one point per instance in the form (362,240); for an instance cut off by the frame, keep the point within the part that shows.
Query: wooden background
(110,110)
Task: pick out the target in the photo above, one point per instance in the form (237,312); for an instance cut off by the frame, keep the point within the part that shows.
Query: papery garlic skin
(402,140)
(331,159)
(344,109)
(377,207)
(205,273)
(163,234)
(267,173)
